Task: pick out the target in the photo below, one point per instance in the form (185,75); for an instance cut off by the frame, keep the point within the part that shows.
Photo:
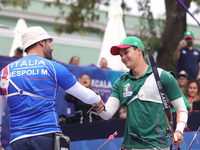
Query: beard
(48,53)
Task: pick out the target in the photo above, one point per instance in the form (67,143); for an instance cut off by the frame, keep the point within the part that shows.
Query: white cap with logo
(33,35)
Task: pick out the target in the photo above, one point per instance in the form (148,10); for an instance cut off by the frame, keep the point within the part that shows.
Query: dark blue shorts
(33,143)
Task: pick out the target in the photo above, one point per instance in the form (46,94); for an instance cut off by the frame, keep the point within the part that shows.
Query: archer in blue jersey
(29,86)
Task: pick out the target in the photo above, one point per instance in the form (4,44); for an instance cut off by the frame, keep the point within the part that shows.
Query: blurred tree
(165,39)
(15,3)
(161,35)
(82,12)
(175,26)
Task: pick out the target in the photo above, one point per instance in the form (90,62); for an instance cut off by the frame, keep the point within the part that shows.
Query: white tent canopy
(17,42)
(114,35)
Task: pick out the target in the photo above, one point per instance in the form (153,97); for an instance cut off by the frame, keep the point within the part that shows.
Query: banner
(102,81)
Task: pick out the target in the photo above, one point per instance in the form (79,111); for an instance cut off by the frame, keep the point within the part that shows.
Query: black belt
(51,135)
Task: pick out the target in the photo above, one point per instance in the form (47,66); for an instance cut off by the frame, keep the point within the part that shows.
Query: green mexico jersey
(145,114)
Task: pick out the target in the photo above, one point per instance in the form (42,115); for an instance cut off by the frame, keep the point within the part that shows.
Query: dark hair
(30,47)
(103,59)
(85,74)
(62,116)
(19,49)
(89,78)
(135,47)
(72,59)
(187,85)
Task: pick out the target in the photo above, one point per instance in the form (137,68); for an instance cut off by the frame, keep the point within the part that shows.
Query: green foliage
(81,13)
(125,6)
(15,3)
(197,2)
(78,17)
(149,27)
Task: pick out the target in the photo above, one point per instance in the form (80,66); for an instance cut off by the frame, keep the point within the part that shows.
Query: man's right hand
(1,148)
(99,107)
(181,44)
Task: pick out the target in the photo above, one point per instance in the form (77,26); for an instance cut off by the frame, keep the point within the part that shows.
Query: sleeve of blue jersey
(64,78)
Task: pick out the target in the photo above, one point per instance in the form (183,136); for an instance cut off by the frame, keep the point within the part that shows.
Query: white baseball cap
(34,34)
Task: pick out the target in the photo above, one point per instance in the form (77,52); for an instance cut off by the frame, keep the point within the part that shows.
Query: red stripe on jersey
(4,74)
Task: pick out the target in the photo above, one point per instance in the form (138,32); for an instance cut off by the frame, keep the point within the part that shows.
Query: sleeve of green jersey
(186,102)
(115,90)
(170,86)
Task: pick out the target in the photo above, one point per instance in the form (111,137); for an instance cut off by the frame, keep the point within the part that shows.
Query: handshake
(98,107)
(1,148)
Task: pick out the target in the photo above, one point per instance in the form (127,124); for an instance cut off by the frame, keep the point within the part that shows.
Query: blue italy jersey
(31,97)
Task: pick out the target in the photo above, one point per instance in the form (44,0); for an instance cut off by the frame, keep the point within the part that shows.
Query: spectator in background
(75,60)
(182,79)
(182,74)
(103,63)
(63,120)
(18,53)
(122,112)
(192,91)
(81,109)
(187,56)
